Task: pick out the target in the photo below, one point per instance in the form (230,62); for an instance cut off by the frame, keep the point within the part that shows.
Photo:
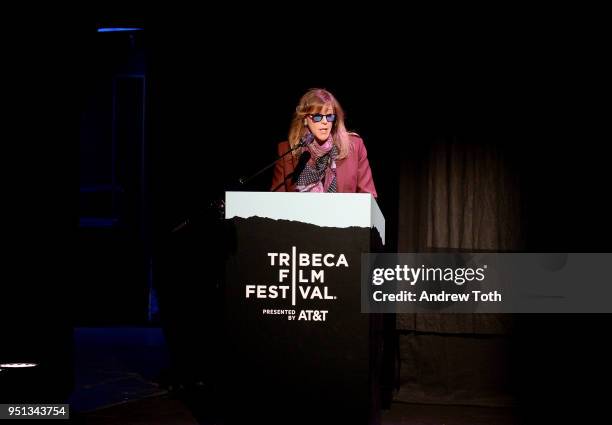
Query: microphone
(306,140)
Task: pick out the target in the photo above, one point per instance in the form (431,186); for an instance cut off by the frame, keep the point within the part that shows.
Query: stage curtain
(457,194)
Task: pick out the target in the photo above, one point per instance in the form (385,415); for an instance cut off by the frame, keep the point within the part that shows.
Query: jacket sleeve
(365,182)
(278,179)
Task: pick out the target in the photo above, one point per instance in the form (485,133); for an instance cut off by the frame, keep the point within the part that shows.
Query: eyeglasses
(319,117)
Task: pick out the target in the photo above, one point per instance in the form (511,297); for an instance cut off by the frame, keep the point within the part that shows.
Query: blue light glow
(114,29)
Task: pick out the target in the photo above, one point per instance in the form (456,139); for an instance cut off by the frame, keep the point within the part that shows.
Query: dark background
(214,104)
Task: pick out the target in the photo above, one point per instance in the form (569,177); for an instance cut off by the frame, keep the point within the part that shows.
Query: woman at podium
(326,157)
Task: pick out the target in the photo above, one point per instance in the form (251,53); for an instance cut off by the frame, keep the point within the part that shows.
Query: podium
(296,347)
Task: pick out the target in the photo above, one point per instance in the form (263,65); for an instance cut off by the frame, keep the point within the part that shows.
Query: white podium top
(320,209)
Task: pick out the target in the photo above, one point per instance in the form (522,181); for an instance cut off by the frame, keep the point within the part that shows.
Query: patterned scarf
(319,174)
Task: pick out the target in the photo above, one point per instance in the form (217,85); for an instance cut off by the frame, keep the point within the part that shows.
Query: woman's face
(321,129)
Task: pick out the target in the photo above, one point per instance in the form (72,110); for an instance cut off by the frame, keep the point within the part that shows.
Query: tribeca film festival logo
(296,283)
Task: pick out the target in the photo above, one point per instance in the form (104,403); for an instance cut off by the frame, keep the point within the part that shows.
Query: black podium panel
(297,349)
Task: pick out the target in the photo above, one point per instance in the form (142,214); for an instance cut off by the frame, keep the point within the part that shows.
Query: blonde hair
(313,102)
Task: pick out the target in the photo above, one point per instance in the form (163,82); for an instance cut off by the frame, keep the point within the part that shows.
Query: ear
(305,122)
